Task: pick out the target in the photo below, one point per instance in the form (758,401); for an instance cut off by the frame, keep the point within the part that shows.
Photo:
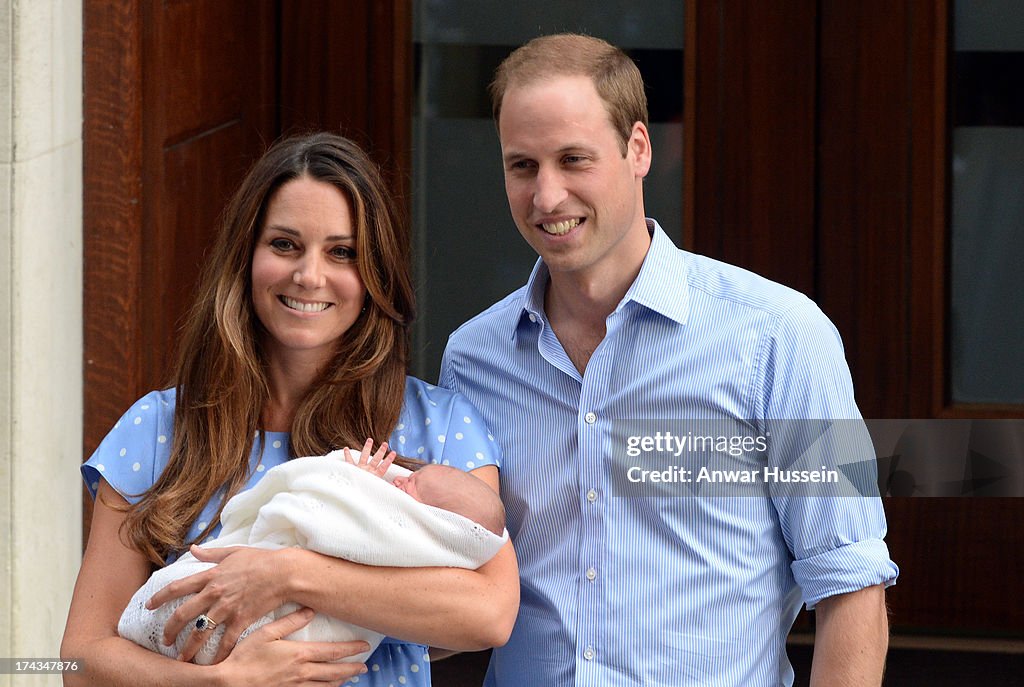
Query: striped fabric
(661,588)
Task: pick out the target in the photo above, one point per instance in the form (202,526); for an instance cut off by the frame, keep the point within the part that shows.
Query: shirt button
(533,318)
(588,653)
(591,496)
(590,418)
(591,574)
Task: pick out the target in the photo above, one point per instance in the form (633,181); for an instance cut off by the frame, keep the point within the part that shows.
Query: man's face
(573,195)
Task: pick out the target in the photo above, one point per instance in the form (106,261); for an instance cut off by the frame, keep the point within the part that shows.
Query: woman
(296,345)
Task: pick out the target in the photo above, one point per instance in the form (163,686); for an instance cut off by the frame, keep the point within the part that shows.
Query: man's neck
(578,304)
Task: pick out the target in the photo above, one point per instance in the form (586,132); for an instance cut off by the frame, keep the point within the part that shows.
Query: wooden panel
(882,237)
(202,59)
(112,213)
(752,88)
(390,98)
(863,191)
(950,551)
(929,51)
(878,193)
(208,82)
(180,97)
(360,86)
(199,176)
(324,82)
(175,107)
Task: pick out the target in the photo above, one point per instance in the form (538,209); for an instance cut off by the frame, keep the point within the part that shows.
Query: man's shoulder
(722,281)
(502,316)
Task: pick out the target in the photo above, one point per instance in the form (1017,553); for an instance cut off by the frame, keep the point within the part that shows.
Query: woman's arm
(110,574)
(460,609)
(454,608)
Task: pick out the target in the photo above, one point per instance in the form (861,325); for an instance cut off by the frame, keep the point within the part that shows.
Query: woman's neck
(289,384)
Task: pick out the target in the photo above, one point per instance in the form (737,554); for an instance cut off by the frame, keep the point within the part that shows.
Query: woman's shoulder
(418,390)
(136,448)
(442,426)
(429,400)
(163,400)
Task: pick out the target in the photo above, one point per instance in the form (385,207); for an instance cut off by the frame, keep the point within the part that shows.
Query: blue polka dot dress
(436,425)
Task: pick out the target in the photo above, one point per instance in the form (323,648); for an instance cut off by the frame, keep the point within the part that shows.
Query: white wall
(40,324)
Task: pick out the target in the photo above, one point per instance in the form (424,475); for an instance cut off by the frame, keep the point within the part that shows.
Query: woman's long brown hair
(220,376)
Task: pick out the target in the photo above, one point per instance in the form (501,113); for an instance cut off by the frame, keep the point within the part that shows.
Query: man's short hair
(615,76)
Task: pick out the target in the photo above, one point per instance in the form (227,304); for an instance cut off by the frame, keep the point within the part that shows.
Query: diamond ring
(205,622)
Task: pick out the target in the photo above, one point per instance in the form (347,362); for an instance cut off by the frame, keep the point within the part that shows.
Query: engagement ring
(205,622)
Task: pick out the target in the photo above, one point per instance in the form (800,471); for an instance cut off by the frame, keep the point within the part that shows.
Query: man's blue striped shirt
(661,587)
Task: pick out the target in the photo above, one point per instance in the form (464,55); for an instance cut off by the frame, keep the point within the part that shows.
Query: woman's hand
(265,658)
(244,586)
(111,572)
(378,463)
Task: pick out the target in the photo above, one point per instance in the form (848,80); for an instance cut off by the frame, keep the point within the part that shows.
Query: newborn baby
(453,490)
(344,507)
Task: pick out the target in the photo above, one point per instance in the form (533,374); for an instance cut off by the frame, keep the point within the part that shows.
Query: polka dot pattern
(137,449)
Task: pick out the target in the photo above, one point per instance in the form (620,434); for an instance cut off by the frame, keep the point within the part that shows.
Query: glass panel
(468,252)
(987,318)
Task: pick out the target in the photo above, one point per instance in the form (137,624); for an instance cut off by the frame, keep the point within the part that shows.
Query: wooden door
(180,97)
(818,152)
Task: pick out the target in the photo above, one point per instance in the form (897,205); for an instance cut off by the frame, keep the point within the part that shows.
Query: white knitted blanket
(326,505)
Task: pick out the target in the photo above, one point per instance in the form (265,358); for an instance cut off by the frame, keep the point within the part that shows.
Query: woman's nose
(310,273)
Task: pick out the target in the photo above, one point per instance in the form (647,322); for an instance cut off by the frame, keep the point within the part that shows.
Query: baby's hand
(378,463)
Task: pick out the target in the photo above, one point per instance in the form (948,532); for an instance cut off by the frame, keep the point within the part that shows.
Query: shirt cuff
(846,569)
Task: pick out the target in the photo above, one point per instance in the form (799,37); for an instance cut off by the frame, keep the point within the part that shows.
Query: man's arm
(851,639)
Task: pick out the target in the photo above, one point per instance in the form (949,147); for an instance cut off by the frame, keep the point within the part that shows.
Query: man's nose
(549,191)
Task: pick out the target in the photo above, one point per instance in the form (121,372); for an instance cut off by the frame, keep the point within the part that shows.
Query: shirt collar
(660,285)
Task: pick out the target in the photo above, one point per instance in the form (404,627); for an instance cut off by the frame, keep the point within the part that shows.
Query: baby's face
(408,484)
(425,484)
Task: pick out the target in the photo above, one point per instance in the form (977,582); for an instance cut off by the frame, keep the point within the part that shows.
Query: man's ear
(638,149)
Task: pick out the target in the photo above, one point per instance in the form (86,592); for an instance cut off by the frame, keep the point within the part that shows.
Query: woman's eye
(344,253)
(282,244)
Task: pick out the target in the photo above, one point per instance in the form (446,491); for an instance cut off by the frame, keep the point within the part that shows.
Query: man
(615,323)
